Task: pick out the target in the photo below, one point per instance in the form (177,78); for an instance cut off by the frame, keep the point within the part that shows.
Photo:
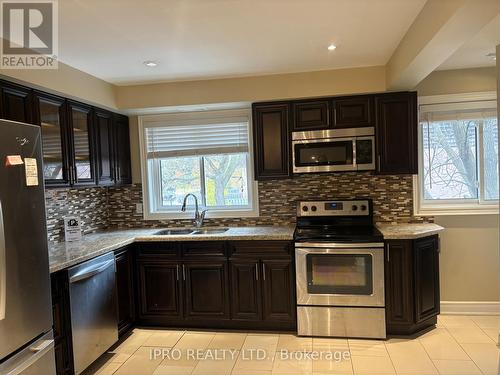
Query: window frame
(444,207)
(150,187)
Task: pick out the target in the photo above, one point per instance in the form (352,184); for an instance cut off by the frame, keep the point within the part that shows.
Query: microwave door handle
(3,267)
(354,159)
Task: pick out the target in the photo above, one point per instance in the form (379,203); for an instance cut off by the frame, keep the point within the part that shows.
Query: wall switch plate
(138,208)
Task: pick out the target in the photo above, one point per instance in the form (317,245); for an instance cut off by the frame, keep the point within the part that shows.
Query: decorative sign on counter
(72,228)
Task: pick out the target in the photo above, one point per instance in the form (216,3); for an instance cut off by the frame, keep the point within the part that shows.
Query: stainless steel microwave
(334,150)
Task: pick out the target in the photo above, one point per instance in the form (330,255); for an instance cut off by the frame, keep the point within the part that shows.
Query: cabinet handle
(183,272)
(388,253)
(177,270)
(378,159)
(263,271)
(256,271)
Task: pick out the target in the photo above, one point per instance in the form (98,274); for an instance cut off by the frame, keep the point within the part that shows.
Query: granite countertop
(66,254)
(408,231)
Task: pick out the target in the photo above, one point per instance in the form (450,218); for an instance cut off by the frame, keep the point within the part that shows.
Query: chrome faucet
(198,216)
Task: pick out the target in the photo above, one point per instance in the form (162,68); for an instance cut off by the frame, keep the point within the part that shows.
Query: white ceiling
(473,53)
(201,39)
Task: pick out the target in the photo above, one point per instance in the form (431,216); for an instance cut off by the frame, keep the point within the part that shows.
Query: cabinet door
(426,258)
(103,122)
(278,290)
(310,115)
(50,114)
(125,290)
(396,133)
(206,292)
(82,146)
(398,285)
(16,102)
(122,150)
(352,112)
(245,290)
(271,141)
(159,289)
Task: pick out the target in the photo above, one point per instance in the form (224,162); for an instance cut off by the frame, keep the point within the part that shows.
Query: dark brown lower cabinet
(159,289)
(61,315)
(206,290)
(125,289)
(246,290)
(202,287)
(411,284)
(278,284)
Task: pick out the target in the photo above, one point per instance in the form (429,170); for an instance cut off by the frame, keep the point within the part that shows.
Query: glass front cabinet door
(50,114)
(80,130)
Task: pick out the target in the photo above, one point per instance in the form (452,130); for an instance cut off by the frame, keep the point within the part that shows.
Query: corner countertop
(408,231)
(66,254)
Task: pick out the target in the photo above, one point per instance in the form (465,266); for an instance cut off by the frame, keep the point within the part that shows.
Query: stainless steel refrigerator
(26,338)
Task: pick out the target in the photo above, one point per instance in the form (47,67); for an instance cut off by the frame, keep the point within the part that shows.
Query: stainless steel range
(339,258)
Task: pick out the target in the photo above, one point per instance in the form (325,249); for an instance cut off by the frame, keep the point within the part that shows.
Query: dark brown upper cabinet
(82,146)
(271,140)
(16,102)
(310,115)
(103,122)
(411,284)
(396,133)
(50,112)
(122,150)
(353,112)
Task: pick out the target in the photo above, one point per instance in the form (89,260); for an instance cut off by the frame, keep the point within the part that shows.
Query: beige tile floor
(460,345)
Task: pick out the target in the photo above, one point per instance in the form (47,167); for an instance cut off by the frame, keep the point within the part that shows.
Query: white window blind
(194,138)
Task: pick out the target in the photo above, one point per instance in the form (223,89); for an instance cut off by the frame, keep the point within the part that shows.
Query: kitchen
(235,212)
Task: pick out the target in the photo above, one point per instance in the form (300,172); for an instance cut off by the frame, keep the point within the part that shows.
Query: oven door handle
(329,245)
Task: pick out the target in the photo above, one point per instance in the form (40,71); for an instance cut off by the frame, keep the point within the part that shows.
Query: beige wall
(470,258)
(470,265)
(458,81)
(249,89)
(68,82)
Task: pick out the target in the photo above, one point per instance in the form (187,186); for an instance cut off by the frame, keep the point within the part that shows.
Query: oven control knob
(313,208)
(305,208)
(363,207)
(354,207)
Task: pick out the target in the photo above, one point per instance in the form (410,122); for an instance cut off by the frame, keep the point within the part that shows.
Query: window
(458,152)
(203,153)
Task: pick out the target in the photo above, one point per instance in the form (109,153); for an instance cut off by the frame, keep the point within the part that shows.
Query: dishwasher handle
(93,270)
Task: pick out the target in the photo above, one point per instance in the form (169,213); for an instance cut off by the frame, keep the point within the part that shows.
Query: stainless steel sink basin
(210,231)
(174,231)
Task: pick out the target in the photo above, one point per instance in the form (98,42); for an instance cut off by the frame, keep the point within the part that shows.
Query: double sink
(188,231)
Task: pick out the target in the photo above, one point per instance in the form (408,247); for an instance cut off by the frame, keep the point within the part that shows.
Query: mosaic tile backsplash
(116,206)
(90,204)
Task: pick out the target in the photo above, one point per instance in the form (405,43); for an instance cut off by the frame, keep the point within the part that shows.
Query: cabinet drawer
(205,248)
(260,248)
(158,249)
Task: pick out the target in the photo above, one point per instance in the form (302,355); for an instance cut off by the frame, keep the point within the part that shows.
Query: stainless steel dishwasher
(94,321)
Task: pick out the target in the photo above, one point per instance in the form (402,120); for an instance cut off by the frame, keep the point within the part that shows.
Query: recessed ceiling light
(150,64)
(332,47)
(492,55)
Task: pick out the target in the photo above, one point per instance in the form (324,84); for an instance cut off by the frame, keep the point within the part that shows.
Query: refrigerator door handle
(38,352)
(3,267)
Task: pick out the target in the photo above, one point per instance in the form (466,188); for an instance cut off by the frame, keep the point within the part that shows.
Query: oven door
(340,274)
(324,155)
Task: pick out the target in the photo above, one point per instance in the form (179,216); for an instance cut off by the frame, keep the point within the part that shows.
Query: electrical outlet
(138,208)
